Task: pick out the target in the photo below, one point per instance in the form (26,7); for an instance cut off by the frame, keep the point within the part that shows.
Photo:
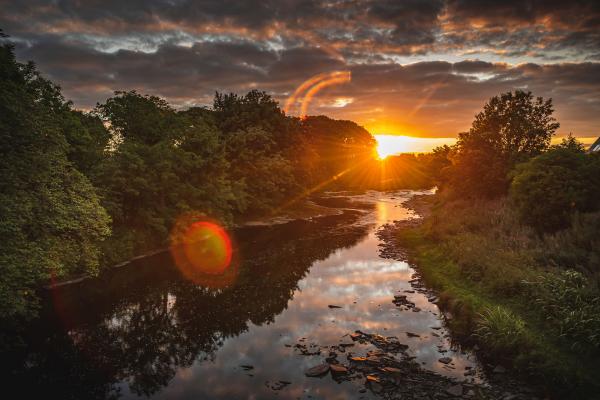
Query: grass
(493,277)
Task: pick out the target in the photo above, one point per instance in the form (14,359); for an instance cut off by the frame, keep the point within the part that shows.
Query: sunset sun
(388,145)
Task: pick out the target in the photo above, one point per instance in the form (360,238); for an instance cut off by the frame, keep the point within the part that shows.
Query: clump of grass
(503,332)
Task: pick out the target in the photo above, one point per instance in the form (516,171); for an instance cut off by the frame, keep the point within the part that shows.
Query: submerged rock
(445,360)
(338,369)
(317,370)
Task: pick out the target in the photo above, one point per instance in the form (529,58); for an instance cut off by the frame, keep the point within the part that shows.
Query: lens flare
(335,78)
(312,86)
(202,251)
(304,86)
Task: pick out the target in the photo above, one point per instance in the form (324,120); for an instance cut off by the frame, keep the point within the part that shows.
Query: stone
(334,306)
(445,360)
(317,370)
(455,390)
(372,378)
(410,334)
(373,359)
(338,369)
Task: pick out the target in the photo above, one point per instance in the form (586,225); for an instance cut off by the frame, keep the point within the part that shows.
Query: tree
(164,164)
(51,221)
(512,128)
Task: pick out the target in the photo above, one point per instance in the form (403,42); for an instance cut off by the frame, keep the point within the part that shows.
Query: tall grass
(531,300)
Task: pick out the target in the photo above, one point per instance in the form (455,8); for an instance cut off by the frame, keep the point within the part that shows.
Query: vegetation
(86,190)
(511,128)
(51,218)
(513,244)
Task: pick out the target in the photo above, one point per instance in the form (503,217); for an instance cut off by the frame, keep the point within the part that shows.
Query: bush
(550,188)
(571,306)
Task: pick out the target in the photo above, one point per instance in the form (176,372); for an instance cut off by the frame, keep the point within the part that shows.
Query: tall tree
(512,128)
(51,221)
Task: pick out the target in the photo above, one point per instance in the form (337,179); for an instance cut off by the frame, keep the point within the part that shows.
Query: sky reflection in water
(356,279)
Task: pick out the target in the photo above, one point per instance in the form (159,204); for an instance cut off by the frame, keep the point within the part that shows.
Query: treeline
(513,243)
(84,190)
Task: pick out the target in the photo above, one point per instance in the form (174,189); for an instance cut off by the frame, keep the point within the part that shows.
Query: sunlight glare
(388,145)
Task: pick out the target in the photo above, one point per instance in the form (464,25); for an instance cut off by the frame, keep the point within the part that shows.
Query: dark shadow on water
(142,323)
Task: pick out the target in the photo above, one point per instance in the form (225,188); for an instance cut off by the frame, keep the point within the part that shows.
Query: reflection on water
(146,331)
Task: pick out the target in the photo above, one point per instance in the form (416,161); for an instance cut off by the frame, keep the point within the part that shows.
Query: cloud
(421,67)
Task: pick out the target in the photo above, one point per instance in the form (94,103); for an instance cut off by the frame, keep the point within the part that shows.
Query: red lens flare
(203,252)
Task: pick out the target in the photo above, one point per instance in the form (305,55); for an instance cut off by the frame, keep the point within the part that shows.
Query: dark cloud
(399,53)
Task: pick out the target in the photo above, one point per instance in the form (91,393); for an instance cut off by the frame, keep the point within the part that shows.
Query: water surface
(145,332)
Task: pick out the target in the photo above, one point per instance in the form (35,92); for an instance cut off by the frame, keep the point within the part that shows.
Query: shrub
(571,306)
(550,188)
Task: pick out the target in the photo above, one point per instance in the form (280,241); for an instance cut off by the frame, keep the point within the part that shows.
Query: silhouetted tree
(512,127)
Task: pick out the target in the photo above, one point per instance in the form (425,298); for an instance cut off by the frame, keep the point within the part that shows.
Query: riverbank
(493,287)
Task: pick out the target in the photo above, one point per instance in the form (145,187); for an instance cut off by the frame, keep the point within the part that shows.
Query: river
(144,331)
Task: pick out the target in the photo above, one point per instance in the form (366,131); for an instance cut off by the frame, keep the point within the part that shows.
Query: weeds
(502,331)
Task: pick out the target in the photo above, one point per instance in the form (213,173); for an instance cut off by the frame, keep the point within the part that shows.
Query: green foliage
(477,254)
(577,247)
(154,175)
(138,118)
(51,218)
(511,128)
(550,188)
(571,305)
(502,331)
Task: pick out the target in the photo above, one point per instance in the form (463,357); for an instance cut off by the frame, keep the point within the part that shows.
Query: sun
(388,145)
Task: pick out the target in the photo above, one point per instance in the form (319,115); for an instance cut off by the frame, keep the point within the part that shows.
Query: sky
(416,67)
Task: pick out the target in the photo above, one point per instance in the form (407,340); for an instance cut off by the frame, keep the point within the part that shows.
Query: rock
(391,370)
(499,369)
(410,334)
(338,369)
(334,306)
(455,390)
(317,370)
(470,393)
(372,378)
(445,360)
(247,367)
(373,359)
(416,309)
(358,359)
